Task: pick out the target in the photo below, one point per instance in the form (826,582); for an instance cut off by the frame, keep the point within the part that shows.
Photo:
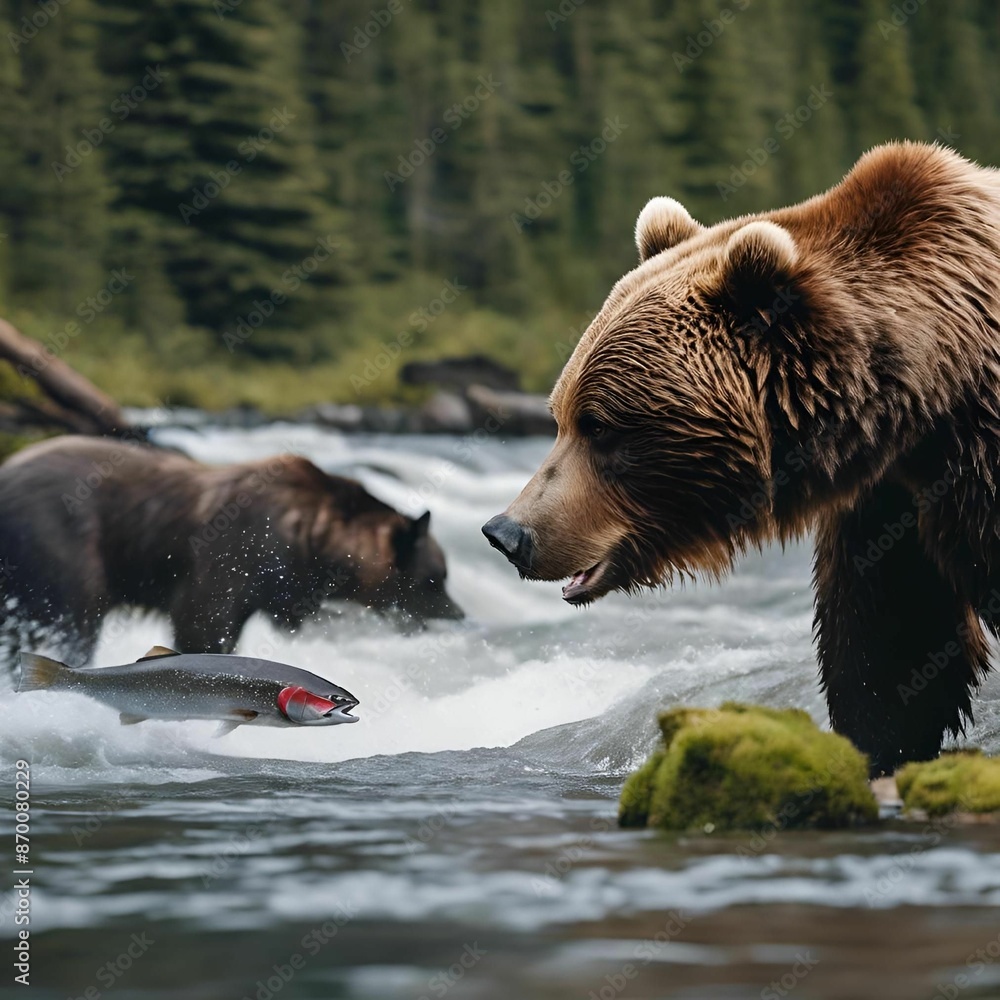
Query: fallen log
(74,402)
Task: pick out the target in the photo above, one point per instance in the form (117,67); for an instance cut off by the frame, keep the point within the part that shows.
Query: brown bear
(89,524)
(833,366)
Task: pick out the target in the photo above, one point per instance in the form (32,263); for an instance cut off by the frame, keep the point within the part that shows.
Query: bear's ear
(662,224)
(758,267)
(406,535)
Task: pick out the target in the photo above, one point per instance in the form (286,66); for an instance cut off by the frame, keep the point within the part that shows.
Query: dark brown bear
(89,524)
(835,367)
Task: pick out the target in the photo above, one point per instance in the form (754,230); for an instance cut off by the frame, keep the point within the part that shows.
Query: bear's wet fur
(830,367)
(90,524)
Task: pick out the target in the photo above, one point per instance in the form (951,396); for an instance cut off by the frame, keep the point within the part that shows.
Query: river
(460,840)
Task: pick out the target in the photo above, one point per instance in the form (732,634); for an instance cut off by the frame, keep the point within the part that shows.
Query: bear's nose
(511,538)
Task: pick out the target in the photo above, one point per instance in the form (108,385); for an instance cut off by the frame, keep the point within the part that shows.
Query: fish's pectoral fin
(156,652)
(130,719)
(238,717)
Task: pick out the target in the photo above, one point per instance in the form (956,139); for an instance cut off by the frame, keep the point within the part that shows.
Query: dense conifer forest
(214,201)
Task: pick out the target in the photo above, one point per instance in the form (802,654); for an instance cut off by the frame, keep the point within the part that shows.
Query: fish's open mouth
(582,585)
(342,712)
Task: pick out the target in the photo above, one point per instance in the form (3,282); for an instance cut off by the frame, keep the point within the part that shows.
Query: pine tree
(216,164)
(53,201)
(956,76)
(884,98)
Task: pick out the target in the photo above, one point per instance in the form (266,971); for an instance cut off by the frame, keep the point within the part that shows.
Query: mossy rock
(741,767)
(633,806)
(966,781)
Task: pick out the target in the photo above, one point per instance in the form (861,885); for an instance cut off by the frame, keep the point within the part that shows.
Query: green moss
(742,767)
(633,806)
(966,781)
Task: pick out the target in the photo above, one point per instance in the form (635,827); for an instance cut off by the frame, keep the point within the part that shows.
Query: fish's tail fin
(40,672)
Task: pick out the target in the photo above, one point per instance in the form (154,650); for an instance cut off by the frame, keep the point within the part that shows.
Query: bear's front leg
(899,651)
(211,626)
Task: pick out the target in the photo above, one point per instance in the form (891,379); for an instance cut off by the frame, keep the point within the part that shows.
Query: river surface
(460,840)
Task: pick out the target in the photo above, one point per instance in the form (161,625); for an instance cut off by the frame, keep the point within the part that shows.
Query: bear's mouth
(582,585)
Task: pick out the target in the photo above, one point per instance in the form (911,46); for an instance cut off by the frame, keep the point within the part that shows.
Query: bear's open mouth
(580,589)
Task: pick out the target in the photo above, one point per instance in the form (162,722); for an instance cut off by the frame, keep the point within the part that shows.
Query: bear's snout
(511,538)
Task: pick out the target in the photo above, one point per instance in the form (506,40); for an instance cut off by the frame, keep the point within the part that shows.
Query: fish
(165,684)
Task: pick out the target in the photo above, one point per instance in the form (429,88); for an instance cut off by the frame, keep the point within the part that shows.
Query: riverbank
(483,411)
(42,392)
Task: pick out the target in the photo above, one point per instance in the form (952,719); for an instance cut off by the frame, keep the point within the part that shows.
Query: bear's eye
(591,427)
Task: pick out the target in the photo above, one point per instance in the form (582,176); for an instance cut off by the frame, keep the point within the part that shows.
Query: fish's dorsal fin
(156,652)
(130,719)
